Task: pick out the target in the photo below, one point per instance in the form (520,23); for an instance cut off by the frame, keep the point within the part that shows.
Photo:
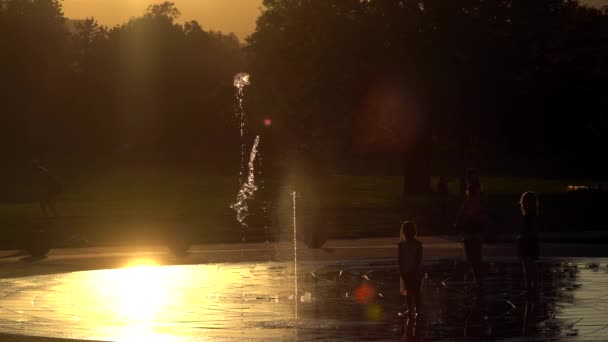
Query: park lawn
(137,205)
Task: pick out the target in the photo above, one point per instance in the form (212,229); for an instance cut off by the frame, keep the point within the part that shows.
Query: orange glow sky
(236,16)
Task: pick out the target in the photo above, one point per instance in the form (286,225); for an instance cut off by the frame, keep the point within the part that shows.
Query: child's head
(529,203)
(408,230)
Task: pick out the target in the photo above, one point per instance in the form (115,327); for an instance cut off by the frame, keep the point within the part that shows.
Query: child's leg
(535,274)
(532,274)
(410,294)
(468,251)
(411,303)
(480,269)
(403,293)
(418,301)
(526,273)
(477,261)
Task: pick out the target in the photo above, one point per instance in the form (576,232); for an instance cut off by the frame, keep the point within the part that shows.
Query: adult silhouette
(47,188)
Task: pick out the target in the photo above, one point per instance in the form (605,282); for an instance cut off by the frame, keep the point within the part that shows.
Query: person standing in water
(527,241)
(471,222)
(410,268)
(48,189)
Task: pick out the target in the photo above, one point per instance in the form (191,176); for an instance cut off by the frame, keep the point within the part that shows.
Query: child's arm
(401,282)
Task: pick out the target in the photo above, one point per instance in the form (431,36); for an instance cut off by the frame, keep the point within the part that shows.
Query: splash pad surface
(337,299)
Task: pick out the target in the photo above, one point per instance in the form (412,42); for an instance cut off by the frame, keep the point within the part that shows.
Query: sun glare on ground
(137,291)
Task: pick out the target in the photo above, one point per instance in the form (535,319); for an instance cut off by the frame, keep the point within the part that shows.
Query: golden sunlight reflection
(147,302)
(138,292)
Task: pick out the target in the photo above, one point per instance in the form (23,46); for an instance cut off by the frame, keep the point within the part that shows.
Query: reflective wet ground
(345,301)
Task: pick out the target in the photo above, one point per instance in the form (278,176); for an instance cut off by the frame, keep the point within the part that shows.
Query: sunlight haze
(236,16)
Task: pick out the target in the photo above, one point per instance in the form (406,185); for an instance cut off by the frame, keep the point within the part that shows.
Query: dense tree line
(148,89)
(502,85)
(497,84)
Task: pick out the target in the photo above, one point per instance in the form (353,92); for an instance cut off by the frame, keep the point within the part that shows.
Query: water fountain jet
(294,196)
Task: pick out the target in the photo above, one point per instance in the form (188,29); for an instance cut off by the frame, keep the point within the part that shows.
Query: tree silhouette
(150,88)
(477,82)
(436,85)
(164,11)
(35,56)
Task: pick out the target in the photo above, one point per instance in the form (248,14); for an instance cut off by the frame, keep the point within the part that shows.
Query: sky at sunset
(597,3)
(236,16)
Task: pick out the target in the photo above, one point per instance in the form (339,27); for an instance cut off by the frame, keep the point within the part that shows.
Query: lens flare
(375,312)
(365,294)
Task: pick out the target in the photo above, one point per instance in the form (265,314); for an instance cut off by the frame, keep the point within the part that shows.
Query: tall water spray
(248,188)
(247,185)
(294,196)
(241,80)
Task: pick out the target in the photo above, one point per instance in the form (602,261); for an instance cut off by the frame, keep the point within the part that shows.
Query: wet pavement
(337,298)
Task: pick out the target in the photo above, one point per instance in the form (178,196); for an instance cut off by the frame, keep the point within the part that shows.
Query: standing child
(410,261)
(471,222)
(527,241)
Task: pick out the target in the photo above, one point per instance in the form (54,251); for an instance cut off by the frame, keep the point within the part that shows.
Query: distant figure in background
(410,268)
(442,202)
(472,178)
(463,186)
(471,222)
(527,241)
(48,188)
(442,186)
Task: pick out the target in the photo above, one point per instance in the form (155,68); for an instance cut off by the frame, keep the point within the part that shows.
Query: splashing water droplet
(247,189)
(306,298)
(241,80)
